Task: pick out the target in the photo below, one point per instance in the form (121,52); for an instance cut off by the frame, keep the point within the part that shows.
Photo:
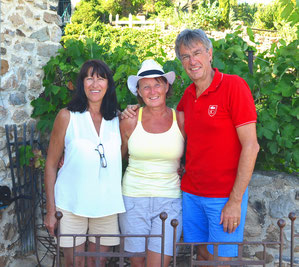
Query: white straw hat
(149,69)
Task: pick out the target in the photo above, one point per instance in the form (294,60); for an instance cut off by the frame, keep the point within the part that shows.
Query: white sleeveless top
(154,159)
(83,186)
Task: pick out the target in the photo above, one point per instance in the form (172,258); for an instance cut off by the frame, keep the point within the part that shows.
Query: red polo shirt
(213,147)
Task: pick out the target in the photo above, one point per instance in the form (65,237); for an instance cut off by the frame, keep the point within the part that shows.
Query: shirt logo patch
(212,110)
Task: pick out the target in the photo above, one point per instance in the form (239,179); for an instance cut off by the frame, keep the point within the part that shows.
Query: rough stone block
(22,88)
(34,84)
(20,33)
(16,60)
(17,47)
(47,50)
(252,226)
(280,207)
(3,116)
(52,18)
(56,34)
(9,231)
(20,116)
(42,5)
(42,35)
(3,260)
(3,51)
(16,20)
(21,74)
(28,13)
(4,66)
(272,234)
(269,257)
(259,180)
(28,46)
(17,99)
(11,83)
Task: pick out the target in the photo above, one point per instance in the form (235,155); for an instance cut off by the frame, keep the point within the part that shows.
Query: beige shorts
(74,224)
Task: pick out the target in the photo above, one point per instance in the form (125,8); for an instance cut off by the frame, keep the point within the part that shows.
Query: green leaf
(218,63)
(250,34)
(79,61)
(119,72)
(25,153)
(267,133)
(41,106)
(273,147)
(286,11)
(55,89)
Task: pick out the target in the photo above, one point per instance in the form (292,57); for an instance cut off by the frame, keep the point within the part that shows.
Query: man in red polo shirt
(220,124)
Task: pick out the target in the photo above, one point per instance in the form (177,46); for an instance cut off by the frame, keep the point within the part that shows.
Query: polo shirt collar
(218,76)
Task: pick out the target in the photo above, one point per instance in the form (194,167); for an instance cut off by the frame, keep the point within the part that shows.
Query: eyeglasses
(100,149)
(195,55)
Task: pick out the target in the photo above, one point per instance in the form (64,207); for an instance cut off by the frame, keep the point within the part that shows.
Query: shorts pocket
(129,203)
(176,205)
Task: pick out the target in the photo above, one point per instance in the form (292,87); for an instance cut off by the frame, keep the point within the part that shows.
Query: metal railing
(192,261)
(65,11)
(23,180)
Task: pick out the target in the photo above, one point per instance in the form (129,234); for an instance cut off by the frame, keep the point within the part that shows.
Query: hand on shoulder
(130,111)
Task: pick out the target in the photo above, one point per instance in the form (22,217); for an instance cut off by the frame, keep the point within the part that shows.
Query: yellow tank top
(153,162)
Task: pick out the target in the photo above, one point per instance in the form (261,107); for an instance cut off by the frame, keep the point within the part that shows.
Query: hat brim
(133,79)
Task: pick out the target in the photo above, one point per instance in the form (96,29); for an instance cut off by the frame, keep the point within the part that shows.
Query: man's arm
(55,152)
(231,213)
(127,127)
(130,111)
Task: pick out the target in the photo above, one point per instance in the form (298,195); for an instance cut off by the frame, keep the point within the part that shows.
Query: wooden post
(116,20)
(110,19)
(130,21)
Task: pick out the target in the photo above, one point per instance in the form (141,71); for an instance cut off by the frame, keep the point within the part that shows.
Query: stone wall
(30,35)
(272,196)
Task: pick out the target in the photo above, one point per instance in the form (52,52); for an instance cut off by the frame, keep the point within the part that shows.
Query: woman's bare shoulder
(62,118)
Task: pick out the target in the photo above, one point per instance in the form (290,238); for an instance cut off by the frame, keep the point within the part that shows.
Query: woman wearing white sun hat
(154,141)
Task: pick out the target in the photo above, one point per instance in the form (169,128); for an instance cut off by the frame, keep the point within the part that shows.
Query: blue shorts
(142,216)
(201,218)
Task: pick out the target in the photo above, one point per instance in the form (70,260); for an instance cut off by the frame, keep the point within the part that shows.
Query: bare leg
(68,256)
(211,257)
(154,259)
(203,255)
(137,262)
(91,261)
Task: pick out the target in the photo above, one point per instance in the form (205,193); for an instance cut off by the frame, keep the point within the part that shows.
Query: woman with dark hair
(87,189)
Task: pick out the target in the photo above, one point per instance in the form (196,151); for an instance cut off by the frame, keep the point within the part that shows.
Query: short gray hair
(187,37)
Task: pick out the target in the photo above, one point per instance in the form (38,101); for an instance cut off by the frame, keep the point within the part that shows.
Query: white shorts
(142,217)
(74,224)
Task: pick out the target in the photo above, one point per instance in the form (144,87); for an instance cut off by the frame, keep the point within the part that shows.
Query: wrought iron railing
(65,11)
